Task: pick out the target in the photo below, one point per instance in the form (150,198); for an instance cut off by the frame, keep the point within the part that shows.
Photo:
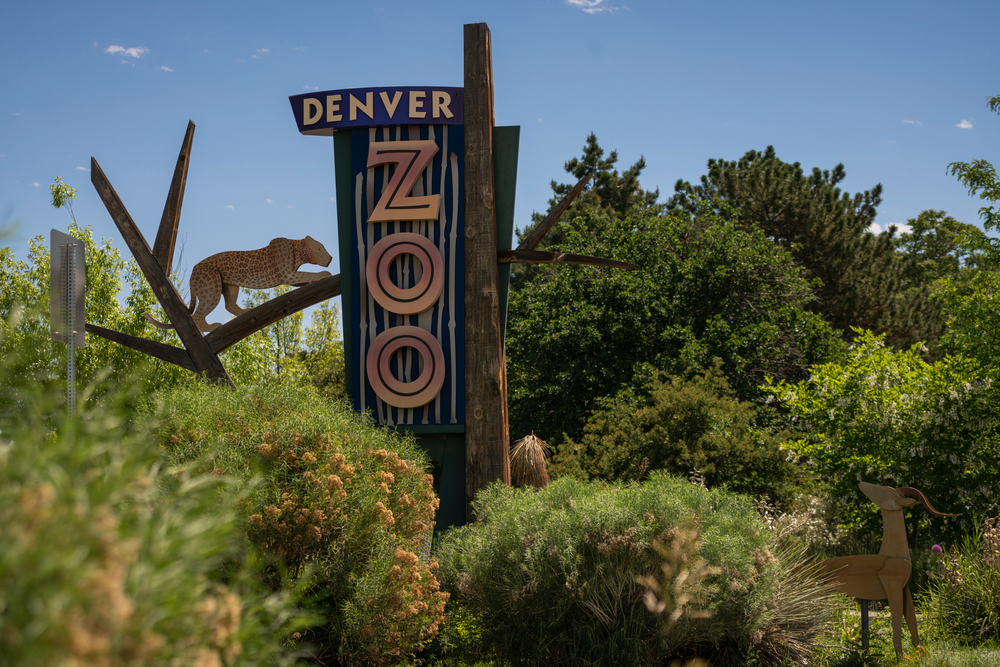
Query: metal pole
(69,303)
(864,624)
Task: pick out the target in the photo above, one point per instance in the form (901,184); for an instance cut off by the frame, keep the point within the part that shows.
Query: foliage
(703,290)
(980,177)
(965,591)
(827,232)
(889,417)
(322,358)
(108,558)
(26,290)
(684,425)
(550,574)
(63,194)
(939,246)
(607,191)
(350,501)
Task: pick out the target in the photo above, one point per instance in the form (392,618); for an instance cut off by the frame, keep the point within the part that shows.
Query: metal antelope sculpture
(887,575)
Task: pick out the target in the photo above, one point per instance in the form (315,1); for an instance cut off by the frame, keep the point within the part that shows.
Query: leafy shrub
(551,574)
(965,587)
(107,558)
(705,288)
(349,501)
(683,425)
(888,417)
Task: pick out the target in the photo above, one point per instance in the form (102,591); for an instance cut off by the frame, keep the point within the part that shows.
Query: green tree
(684,426)
(323,355)
(284,337)
(938,246)
(704,289)
(827,232)
(608,191)
(980,178)
(889,417)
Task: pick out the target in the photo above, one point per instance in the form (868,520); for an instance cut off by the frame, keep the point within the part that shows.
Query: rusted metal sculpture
(887,575)
(200,353)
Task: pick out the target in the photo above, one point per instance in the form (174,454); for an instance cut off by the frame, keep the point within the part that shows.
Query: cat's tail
(157,323)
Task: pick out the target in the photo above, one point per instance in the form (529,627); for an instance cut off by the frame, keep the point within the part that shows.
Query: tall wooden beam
(166,235)
(486,428)
(204,359)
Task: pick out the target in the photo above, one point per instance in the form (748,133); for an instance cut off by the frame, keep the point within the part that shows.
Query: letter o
(412,394)
(408,300)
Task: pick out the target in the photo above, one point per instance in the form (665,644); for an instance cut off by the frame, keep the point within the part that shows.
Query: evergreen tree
(860,276)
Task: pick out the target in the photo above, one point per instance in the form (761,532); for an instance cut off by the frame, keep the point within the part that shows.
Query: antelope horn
(909,490)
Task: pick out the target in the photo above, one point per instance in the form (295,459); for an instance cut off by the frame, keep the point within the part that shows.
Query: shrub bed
(106,558)
(336,497)
(551,575)
(964,599)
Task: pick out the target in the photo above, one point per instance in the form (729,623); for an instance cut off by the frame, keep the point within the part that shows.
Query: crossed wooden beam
(200,353)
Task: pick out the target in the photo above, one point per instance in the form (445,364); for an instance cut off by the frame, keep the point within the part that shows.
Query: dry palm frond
(527,462)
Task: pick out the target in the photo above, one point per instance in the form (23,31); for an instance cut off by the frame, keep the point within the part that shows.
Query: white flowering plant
(889,417)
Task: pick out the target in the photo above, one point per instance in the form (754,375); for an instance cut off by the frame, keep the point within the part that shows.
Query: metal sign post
(66,303)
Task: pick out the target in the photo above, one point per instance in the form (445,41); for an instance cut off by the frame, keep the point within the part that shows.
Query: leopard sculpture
(223,274)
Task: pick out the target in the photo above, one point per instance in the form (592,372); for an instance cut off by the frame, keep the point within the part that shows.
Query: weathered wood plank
(270,312)
(486,430)
(539,232)
(548,257)
(175,355)
(166,235)
(204,359)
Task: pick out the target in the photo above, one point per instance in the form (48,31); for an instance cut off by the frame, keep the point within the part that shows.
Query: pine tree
(858,275)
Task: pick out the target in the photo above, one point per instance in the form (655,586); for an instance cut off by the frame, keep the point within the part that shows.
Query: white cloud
(255,57)
(165,68)
(36,184)
(264,50)
(965,125)
(901,228)
(289,206)
(134,52)
(310,87)
(229,206)
(82,169)
(331,198)
(592,6)
(913,122)
(299,48)
(269,201)
(240,60)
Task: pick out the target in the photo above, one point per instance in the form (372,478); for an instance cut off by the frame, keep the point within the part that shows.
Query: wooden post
(166,235)
(486,430)
(204,359)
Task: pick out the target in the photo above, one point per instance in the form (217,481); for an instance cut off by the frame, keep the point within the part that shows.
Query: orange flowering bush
(107,558)
(337,499)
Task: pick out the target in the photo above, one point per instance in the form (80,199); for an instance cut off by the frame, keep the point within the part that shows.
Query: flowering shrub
(108,559)
(551,575)
(965,586)
(888,417)
(349,503)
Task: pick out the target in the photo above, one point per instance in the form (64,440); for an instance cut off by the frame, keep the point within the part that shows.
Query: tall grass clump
(334,496)
(964,597)
(553,575)
(109,558)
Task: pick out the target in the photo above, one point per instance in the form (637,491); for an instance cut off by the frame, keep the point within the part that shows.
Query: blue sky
(895,91)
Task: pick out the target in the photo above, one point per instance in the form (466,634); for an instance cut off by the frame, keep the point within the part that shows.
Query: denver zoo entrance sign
(425,215)
(424,296)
